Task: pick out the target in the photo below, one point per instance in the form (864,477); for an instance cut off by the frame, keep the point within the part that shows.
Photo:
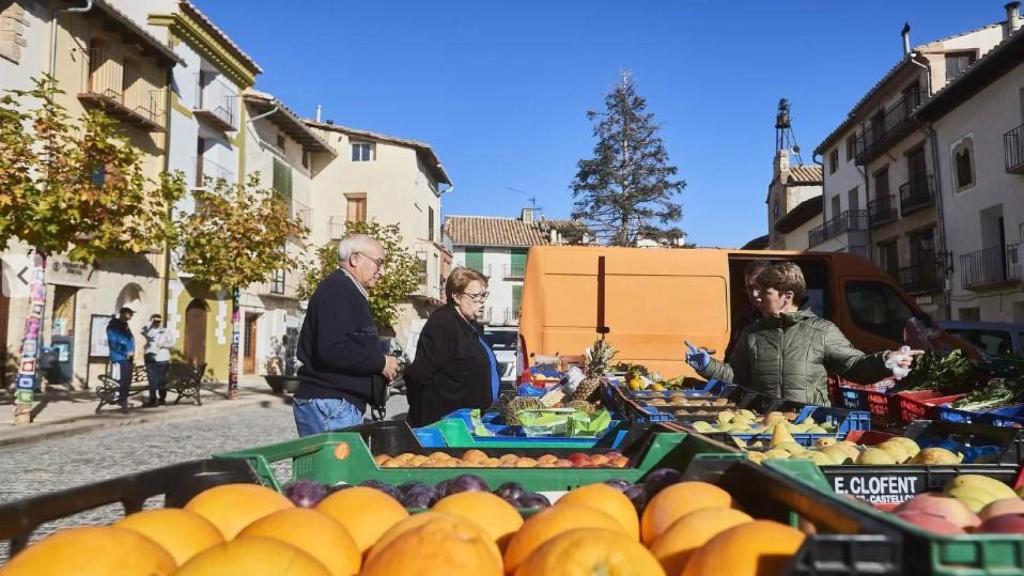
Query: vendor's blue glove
(697,357)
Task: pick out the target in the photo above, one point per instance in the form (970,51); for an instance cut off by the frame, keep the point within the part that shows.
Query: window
(305,158)
(356,209)
(277,282)
(991,342)
(280,142)
(882,183)
(957,62)
(851,147)
(282,182)
(833,161)
(853,199)
(970,314)
(362,152)
(877,308)
(836,208)
(889,259)
(475,259)
(963,164)
(517,301)
(430,223)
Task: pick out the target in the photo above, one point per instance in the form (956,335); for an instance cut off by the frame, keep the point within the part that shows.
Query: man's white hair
(355,243)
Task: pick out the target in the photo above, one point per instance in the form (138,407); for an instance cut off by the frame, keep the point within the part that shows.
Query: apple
(1003,524)
(931,522)
(952,510)
(599,459)
(578,459)
(1001,507)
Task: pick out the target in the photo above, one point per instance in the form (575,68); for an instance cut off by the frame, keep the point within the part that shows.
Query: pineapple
(510,410)
(598,357)
(583,406)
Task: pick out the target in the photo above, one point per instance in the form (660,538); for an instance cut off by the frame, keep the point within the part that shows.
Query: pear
(990,485)
(747,414)
(726,416)
(816,430)
(936,456)
(781,434)
(838,454)
(777,454)
(898,451)
(821,459)
(876,457)
(756,457)
(791,447)
(773,417)
(908,445)
(824,442)
(703,427)
(849,448)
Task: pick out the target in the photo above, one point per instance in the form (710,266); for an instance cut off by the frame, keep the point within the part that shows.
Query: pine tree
(626,193)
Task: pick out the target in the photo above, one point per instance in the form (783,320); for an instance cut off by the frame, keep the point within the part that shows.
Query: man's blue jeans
(316,415)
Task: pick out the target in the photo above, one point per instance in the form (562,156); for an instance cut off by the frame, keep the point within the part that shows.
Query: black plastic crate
(178,483)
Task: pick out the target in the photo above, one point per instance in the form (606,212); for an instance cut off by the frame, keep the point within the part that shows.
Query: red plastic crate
(881,406)
(922,404)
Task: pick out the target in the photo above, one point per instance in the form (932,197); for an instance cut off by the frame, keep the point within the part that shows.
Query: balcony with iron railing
(1013,150)
(993,267)
(301,212)
(847,221)
(916,194)
(922,277)
(209,172)
(216,102)
(894,123)
(121,92)
(336,228)
(882,210)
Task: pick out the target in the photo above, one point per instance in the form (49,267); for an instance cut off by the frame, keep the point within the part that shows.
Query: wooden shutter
(475,259)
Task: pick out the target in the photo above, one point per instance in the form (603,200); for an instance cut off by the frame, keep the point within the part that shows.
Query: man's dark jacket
(338,345)
(451,369)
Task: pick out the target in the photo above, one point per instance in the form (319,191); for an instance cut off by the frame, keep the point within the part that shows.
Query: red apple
(1003,524)
(1001,507)
(578,459)
(952,510)
(931,522)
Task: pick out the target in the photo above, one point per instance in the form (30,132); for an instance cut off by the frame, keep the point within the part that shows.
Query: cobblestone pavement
(59,463)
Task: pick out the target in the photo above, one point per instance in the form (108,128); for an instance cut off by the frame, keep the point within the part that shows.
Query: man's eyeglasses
(379,263)
(479,297)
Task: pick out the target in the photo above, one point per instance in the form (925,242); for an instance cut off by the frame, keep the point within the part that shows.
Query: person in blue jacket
(122,352)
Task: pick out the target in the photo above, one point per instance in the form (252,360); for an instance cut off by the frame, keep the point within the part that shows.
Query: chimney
(1012,18)
(319,112)
(906,38)
(527,215)
(781,165)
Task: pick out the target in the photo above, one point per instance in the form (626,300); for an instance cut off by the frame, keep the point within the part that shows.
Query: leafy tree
(237,235)
(75,187)
(400,278)
(626,193)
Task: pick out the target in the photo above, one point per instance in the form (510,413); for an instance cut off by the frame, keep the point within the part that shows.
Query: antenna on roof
(531,199)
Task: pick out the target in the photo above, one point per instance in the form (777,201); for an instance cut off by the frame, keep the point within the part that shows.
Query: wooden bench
(185,380)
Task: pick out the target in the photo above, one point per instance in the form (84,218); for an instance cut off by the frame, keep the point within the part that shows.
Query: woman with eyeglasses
(454,367)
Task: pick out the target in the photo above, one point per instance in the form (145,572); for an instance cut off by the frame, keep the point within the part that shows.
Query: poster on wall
(98,347)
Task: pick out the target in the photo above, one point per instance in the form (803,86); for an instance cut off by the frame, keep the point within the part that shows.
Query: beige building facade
(101,58)
(794,202)
(978,125)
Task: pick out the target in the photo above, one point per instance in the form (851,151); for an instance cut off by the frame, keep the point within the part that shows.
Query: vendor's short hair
(755,267)
(784,277)
(459,279)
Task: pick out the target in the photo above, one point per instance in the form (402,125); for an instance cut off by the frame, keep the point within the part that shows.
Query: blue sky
(500,89)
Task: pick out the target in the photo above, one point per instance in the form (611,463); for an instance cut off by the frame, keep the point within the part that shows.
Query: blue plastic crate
(846,421)
(853,398)
(1008,417)
(947,414)
(433,437)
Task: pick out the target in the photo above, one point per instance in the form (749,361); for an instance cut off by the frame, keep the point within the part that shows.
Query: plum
(533,500)
(463,483)
(306,493)
(620,485)
(385,488)
(638,495)
(405,488)
(421,496)
(659,478)
(510,491)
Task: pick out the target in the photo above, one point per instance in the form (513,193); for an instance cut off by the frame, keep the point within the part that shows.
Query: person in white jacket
(159,342)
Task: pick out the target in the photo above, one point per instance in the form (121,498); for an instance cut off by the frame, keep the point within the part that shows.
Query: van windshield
(500,339)
(991,342)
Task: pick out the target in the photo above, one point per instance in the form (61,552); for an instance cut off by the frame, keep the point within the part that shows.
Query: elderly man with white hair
(338,345)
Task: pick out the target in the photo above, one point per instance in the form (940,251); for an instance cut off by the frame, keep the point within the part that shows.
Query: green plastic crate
(347,457)
(924,552)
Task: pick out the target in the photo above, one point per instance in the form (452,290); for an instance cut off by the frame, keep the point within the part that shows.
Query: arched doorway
(195,332)
(130,296)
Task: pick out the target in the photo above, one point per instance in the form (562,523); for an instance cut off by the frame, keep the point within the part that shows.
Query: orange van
(648,300)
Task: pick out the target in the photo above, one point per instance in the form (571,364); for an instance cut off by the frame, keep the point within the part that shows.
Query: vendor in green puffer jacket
(788,352)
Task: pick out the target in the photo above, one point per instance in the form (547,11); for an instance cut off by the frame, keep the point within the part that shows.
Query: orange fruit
(365,512)
(758,548)
(608,500)
(253,556)
(676,501)
(417,520)
(588,551)
(686,535)
(499,518)
(315,533)
(92,551)
(551,522)
(231,507)
(443,545)
(182,533)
